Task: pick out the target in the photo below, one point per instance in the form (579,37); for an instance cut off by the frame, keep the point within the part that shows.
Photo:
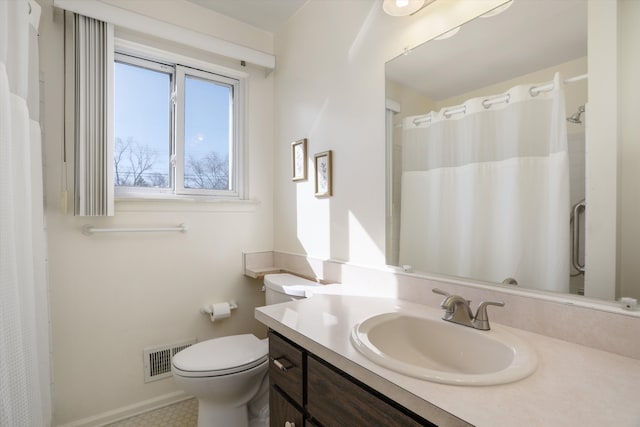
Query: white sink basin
(439,351)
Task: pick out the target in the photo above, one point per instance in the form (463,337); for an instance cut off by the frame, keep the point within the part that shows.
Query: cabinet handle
(289,424)
(283,364)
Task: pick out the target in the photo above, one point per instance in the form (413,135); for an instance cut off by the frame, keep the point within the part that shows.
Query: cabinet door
(285,367)
(335,400)
(281,412)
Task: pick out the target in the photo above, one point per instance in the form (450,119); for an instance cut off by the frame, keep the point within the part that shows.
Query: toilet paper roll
(220,310)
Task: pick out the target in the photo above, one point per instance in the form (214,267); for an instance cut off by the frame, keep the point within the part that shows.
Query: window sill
(158,203)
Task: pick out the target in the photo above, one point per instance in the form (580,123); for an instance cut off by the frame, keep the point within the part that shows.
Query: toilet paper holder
(220,310)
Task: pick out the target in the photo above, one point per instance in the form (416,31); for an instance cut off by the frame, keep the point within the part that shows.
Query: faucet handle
(443,293)
(446,294)
(440,292)
(481,320)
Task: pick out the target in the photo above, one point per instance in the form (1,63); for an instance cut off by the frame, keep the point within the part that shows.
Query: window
(176,130)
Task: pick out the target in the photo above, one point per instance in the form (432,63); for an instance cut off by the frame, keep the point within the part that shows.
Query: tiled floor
(183,414)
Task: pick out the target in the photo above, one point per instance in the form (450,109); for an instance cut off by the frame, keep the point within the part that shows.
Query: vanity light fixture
(498,10)
(404,7)
(448,34)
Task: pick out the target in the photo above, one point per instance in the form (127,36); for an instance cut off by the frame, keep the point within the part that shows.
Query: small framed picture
(299,160)
(322,163)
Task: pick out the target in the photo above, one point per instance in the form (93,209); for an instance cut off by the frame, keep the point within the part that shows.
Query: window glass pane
(207,134)
(142,127)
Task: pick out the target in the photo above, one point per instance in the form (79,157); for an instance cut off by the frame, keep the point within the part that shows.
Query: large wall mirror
(512,149)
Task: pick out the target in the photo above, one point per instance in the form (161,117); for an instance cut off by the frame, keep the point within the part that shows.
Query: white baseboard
(129,410)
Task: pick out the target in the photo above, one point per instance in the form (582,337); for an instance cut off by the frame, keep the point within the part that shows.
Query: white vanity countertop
(573,385)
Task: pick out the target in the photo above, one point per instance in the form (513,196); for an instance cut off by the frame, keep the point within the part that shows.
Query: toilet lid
(221,356)
(289,284)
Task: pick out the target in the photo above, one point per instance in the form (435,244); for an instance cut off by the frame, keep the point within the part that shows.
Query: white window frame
(182,73)
(186,66)
(132,191)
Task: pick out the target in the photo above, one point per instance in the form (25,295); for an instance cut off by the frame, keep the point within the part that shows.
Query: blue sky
(206,118)
(142,113)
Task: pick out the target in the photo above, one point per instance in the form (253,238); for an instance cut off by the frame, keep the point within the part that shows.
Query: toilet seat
(221,356)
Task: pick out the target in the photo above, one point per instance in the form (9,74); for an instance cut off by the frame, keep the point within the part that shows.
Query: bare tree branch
(140,160)
(210,172)
(120,149)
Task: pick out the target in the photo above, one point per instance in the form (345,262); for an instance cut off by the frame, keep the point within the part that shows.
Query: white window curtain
(485,190)
(25,392)
(93,116)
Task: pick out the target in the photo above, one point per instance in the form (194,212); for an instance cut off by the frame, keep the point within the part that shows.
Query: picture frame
(299,160)
(323,169)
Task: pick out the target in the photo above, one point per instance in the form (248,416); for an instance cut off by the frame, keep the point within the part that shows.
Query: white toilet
(228,375)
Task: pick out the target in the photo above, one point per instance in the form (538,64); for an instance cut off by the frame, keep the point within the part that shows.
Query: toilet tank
(285,287)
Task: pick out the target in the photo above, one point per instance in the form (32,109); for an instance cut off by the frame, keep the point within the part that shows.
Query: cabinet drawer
(334,400)
(285,367)
(282,412)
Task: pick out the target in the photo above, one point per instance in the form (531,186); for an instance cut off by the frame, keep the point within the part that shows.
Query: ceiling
(269,15)
(549,29)
(529,35)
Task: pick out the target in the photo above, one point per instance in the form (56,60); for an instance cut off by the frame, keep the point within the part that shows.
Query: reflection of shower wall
(411,104)
(395,204)
(576,142)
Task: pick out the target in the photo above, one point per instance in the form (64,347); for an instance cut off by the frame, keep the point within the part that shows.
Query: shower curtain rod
(488,102)
(537,89)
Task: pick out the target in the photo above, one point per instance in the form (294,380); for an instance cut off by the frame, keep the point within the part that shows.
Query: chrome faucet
(458,310)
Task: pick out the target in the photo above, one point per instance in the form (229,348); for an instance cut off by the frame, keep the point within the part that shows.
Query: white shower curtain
(485,190)
(25,398)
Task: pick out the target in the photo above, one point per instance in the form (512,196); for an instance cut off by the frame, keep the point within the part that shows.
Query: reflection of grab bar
(575,242)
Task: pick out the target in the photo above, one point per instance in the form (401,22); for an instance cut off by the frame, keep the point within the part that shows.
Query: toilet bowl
(228,375)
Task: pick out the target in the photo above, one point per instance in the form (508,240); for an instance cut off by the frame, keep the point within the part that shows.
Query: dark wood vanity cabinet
(286,368)
(307,391)
(286,378)
(281,411)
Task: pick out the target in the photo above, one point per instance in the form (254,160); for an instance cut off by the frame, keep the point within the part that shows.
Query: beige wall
(629,88)
(613,151)
(602,152)
(113,295)
(575,93)
(190,15)
(411,102)
(330,88)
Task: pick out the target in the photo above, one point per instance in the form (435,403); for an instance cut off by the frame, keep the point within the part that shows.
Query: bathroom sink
(432,349)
